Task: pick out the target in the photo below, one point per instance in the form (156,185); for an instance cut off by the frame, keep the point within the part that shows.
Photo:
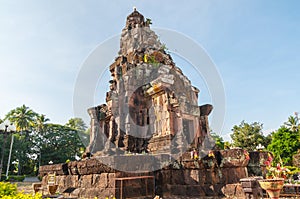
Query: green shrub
(23,196)
(7,189)
(293,170)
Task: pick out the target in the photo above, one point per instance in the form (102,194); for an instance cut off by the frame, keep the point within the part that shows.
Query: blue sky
(254,44)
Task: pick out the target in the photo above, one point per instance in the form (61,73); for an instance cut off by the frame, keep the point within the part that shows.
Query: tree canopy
(81,128)
(248,136)
(39,141)
(23,117)
(59,143)
(285,143)
(293,123)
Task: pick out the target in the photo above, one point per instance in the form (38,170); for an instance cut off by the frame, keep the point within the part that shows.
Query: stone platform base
(214,176)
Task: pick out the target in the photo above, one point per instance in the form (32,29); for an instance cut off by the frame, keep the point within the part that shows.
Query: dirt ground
(26,187)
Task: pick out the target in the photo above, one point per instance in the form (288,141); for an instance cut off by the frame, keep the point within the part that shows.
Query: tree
(23,118)
(284,144)
(40,128)
(40,122)
(247,136)
(59,143)
(77,124)
(219,142)
(40,141)
(81,128)
(293,123)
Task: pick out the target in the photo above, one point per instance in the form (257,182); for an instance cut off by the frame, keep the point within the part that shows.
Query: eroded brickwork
(151,106)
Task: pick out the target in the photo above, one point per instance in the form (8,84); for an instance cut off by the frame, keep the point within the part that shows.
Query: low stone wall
(205,177)
(217,175)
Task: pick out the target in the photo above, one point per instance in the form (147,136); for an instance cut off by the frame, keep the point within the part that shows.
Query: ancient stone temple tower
(151,106)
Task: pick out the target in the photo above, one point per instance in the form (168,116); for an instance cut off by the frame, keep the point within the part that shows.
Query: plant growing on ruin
(164,47)
(151,60)
(148,21)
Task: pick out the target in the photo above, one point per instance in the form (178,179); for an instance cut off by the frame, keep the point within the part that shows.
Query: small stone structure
(148,126)
(252,188)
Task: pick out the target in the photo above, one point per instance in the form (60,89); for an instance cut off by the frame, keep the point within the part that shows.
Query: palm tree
(23,118)
(40,121)
(77,124)
(293,123)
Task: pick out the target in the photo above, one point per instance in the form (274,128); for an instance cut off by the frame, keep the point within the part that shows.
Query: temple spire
(135,19)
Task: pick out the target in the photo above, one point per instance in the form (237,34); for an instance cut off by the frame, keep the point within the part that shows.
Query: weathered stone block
(96,192)
(209,190)
(58,169)
(233,191)
(165,176)
(233,175)
(71,181)
(191,177)
(82,168)
(180,190)
(104,180)
(86,181)
(208,163)
(177,177)
(233,158)
(111,180)
(60,180)
(213,176)
(195,190)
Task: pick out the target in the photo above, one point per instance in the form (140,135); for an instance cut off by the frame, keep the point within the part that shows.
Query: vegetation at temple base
(9,191)
(37,141)
(58,144)
(81,128)
(286,140)
(285,143)
(220,144)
